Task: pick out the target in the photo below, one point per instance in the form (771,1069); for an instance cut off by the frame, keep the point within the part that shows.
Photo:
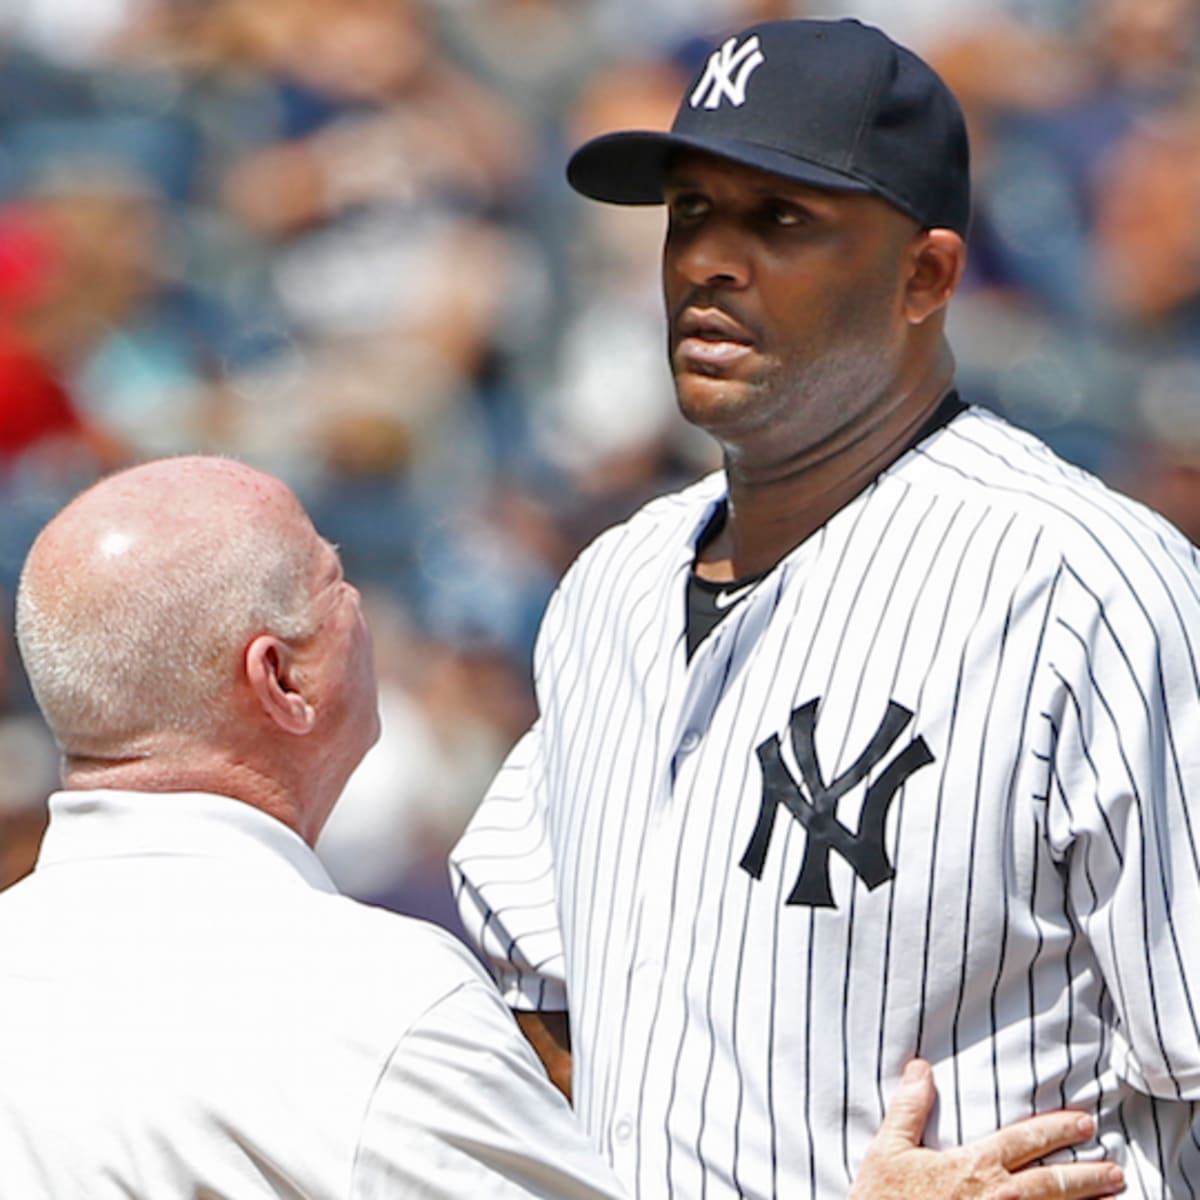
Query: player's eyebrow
(802,195)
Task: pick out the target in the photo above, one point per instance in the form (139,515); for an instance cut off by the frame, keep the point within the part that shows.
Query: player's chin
(703,387)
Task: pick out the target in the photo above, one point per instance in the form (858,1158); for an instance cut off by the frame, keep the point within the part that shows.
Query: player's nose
(712,255)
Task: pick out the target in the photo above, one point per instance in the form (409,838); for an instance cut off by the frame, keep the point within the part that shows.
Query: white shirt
(929,788)
(189,1009)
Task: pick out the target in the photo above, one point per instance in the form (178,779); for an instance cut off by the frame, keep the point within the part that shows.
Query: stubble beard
(785,412)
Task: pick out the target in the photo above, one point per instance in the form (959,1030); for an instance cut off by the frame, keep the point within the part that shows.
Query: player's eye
(785,214)
(687,206)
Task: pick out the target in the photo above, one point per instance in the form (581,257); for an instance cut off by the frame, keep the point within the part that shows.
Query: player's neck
(774,508)
(766,522)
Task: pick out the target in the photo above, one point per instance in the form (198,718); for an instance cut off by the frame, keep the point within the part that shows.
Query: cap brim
(628,167)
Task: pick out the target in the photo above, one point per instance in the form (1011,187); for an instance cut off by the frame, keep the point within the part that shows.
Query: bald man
(187,1007)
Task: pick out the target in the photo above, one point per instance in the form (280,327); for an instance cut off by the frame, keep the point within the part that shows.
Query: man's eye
(688,206)
(785,214)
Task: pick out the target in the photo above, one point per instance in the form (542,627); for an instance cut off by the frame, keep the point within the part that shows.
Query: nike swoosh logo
(724,600)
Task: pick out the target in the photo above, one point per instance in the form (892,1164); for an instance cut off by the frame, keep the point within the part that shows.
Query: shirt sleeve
(1126,780)
(502,872)
(463,1108)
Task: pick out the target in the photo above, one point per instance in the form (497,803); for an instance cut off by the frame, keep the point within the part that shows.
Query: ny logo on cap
(719,81)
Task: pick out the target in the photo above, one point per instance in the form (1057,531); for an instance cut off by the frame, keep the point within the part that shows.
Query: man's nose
(712,255)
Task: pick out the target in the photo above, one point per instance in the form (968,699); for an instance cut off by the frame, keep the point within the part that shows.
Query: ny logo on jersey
(719,82)
(817,810)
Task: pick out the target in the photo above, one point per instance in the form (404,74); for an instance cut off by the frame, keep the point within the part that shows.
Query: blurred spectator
(132,343)
(1161,465)
(373,113)
(1167,478)
(1147,235)
(37,413)
(1056,96)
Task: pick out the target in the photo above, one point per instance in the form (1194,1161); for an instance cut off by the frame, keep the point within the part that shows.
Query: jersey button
(623,1130)
(689,741)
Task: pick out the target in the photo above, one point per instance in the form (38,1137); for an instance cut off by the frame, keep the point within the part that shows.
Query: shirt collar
(119,824)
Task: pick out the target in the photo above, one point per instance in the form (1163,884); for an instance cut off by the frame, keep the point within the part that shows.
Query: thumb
(904,1123)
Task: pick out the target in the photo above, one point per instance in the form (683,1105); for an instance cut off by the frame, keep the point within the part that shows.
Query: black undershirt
(709,603)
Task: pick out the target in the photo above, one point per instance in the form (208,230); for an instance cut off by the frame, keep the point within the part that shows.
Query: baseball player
(879,743)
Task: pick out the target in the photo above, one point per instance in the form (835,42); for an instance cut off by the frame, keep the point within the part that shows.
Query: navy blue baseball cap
(836,104)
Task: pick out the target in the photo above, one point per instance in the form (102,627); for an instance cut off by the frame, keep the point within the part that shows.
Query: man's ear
(270,673)
(938,259)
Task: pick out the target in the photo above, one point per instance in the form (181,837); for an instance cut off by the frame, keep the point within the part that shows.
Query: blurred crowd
(331,238)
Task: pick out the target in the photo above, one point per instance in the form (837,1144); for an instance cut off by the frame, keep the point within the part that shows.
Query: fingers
(1033,1138)
(909,1109)
(1068,1181)
(998,1166)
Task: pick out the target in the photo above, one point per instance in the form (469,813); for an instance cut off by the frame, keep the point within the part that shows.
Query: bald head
(137,601)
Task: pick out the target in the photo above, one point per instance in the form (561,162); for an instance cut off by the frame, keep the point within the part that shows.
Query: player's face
(784,303)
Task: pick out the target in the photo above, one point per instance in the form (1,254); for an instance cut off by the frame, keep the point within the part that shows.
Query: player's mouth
(710,341)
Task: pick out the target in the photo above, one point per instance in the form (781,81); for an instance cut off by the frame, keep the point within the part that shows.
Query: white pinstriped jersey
(928,789)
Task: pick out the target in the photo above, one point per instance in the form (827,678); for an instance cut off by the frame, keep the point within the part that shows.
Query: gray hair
(155,643)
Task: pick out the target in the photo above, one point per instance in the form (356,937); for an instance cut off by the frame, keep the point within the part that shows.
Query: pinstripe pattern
(1038,941)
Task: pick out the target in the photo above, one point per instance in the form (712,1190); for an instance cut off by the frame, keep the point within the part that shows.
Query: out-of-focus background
(331,238)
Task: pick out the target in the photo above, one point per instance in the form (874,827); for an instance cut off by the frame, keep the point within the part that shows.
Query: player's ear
(271,674)
(936,261)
